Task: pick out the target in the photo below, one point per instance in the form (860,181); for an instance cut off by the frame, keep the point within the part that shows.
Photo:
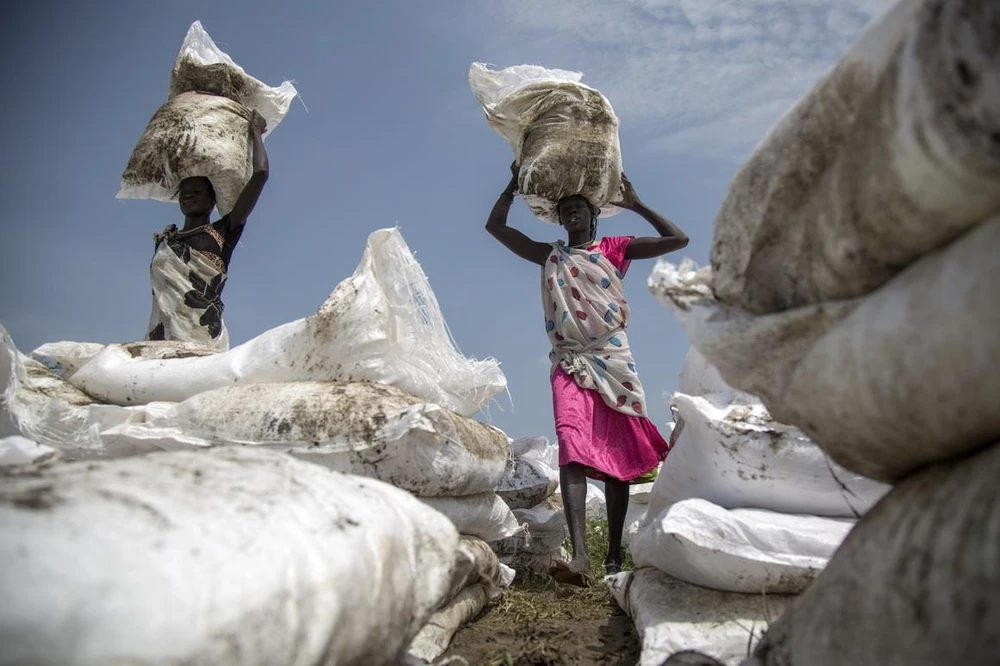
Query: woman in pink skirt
(599,406)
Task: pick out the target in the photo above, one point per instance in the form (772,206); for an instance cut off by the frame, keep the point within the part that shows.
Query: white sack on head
(564,134)
(203,129)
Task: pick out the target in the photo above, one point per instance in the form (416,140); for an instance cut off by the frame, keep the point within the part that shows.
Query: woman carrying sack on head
(599,406)
(190,265)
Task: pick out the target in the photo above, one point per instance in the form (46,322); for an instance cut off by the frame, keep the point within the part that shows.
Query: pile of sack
(744,508)
(853,288)
(203,127)
(365,404)
(564,134)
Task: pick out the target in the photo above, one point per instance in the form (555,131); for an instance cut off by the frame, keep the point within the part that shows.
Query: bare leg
(573,485)
(616,494)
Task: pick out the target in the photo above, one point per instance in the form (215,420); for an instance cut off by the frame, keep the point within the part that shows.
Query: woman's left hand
(629,198)
(258,123)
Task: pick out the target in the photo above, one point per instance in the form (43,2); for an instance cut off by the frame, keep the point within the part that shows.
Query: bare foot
(575,573)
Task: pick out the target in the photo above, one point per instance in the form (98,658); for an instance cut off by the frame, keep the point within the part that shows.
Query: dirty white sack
(529,478)
(241,556)
(383,324)
(564,134)
(891,155)
(203,128)
(38,405)
(738,550)
(671,616)
(884,384)
(485,516)
(359,428)
(738,457)
(915,584)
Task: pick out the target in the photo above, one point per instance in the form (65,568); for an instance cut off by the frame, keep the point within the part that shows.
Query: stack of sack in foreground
(869,319)
(369,386)
(747,509)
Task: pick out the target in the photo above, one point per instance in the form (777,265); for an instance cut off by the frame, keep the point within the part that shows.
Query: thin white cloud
(706,77)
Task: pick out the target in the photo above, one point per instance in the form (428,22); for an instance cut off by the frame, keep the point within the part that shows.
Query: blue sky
(392,136)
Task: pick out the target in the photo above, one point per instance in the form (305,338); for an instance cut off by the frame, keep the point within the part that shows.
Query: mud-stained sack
(228,556)
(529,478)
(672,616)
(383,324)
(564,134)
(738,550)
(358,428)
(915,584)
(203,129)
(885,384)
(484,516)
(737,456)
(891,155)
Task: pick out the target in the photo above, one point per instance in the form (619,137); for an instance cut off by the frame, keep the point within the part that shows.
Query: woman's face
(575,214)
(196,196)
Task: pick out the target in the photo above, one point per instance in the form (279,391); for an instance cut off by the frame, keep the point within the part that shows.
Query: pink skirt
(610,443)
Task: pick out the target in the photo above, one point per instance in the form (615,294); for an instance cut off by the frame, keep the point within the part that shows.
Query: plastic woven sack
(383,324)
(564,134)
(203,128)
(885,384)
(229,557)
(893,154)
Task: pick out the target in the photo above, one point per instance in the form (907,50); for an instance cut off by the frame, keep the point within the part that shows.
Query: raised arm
(671,237)
(514,240)
(251,191)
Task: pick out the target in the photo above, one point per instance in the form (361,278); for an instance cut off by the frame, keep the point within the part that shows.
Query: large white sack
(528,479)
(228,556)
(39,405)
(359,428)
(915,584)
(65,358)
(672,616)
(891,155)
(885,384)
(383,324)
(738,550)
(739,457)
(564,134)
(485,516)
(203,129)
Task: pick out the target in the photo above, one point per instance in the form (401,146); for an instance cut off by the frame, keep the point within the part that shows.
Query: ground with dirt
(539,622)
